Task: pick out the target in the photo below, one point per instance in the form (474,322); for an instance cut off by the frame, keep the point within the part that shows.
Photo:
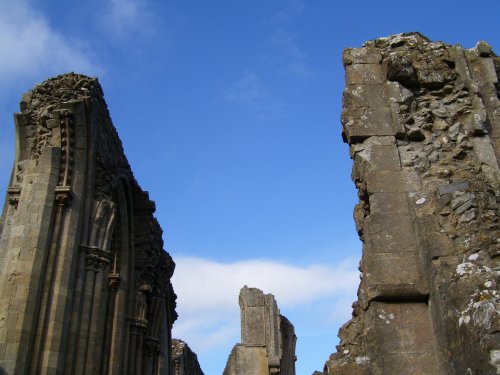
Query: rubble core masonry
(422,120)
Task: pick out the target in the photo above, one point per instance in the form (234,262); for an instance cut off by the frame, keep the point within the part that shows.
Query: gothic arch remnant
(84,280)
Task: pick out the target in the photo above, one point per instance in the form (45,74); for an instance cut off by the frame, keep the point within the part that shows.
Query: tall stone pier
(422,120)
(267,338)
(84,280)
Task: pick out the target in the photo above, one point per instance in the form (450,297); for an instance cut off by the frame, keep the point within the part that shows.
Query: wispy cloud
(208,293)
(251,93)
(292,59)
(291,9)
(123,18)
(30,47)
(295,60)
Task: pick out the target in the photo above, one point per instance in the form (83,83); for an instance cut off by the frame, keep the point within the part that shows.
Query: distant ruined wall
(422,120)
(185,361)
(267,338)
(84,280)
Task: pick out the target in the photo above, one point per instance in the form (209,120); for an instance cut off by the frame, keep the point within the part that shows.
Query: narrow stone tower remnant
(267,338)
(84,280)
(422,120)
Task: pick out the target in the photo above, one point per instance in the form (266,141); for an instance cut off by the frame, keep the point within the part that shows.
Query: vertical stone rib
(84,332)
(78,301)
(108,330)
(132,350)
(94,347)
(40,358)
(138,354)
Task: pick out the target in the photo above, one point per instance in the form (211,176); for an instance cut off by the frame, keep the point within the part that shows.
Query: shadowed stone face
(422,122)
(184,359)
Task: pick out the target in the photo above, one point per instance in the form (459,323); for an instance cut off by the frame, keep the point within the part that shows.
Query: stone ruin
(184,360)
(84,280)
(267,338)
(422,121)
(85,283)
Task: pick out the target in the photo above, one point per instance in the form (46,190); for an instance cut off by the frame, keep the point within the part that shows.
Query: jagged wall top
(89,235)
(422,120)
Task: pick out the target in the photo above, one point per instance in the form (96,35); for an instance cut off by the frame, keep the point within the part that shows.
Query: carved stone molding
(67,145)
(73,215)
(114,281)
(96,259)
(64,195)
(14,194)
(138,325)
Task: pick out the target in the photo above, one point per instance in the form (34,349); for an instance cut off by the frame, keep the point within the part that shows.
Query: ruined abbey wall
(85,283)
(84,280)
(185,361)
(267,338)
(422,120)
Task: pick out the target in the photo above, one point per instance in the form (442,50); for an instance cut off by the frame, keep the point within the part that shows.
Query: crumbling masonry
(84,280)
(185,361)
(267,338)
(422,120)
(85,283)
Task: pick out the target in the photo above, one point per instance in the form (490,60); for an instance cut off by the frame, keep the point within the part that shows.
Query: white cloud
(250,92)
(122,18)
(208,293)
(30,47)
(295,60)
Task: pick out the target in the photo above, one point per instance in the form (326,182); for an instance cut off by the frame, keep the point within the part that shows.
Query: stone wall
(184,360)
(267,338)
(84,280)
(422,120)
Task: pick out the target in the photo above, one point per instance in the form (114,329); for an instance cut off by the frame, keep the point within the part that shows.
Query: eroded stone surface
(184,359)
(267,338)
(422,122)
(84,280)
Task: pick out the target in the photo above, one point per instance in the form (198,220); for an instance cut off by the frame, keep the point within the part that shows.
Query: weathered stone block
(385,158)
(401,337)
(392,182)
(392,274)
(267,338)
(367,112)
(246,360)
(395,203)
(365,74)
(385,233)
(361,56)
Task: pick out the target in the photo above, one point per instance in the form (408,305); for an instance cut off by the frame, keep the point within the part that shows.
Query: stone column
(42,348)
(25,245)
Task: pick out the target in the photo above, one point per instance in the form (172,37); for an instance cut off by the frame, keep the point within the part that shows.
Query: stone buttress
(422,120)
(84,280)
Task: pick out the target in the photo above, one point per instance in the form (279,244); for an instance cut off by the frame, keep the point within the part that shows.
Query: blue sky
(229,114)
